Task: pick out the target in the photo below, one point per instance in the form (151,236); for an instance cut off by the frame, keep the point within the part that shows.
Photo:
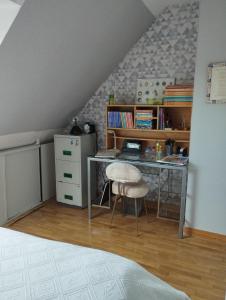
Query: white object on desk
(71,167)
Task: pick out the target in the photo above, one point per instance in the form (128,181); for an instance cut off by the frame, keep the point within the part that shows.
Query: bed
(36,268)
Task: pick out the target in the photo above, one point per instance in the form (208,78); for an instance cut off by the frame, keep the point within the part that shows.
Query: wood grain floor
(195,265)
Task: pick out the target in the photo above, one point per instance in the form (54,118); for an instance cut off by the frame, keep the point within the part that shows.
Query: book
(189,104)
(180,87)
(176,93)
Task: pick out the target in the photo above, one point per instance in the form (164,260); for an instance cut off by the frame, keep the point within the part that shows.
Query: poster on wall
(151,91)
(216,93)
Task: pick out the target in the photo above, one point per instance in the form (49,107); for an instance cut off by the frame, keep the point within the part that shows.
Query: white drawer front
(68,193)
(68,171)
(67,148)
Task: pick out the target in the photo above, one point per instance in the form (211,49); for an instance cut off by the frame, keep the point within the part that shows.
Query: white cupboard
(19,181)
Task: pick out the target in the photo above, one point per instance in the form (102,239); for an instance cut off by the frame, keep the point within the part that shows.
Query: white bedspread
(35,268)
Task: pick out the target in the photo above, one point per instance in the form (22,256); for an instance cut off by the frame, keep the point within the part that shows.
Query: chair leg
(114,206)
(123,207)
(146,209)
(136,214)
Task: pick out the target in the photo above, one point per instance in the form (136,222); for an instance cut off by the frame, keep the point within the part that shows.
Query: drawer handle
(67,152)
(68,197)
(67,175)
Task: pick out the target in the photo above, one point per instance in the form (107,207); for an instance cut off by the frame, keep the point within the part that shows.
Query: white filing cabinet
(71,167)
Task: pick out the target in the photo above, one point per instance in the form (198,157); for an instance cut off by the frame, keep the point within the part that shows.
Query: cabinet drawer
(68,148)
(67,171)
(68,193)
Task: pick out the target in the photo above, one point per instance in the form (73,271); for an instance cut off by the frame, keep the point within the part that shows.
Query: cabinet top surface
(149,105)
(72,136)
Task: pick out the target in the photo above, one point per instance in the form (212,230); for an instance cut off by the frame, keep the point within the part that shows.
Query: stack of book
(144,118)
(117,119)
(178,95)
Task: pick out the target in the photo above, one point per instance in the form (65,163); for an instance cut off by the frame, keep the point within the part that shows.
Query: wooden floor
(194,265)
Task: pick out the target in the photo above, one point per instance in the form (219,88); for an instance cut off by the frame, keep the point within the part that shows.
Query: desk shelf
(178,115)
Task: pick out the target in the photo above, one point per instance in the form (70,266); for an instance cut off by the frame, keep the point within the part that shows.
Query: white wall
(206,206)
(8,12)
(27,138)
(56,55)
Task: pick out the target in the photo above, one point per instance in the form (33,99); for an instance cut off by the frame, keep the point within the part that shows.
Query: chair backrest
(123,172)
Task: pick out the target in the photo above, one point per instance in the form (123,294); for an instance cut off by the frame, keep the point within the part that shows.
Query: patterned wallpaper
(167,49)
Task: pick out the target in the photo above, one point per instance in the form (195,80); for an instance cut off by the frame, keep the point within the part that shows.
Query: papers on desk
(174,159)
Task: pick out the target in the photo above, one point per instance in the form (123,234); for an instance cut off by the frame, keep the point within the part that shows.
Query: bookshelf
(178,115)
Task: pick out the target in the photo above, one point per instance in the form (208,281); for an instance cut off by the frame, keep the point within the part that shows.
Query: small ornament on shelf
(111,99)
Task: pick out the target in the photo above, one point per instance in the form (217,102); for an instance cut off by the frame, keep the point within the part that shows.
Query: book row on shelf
(118,119)
(178,94)
(143,119)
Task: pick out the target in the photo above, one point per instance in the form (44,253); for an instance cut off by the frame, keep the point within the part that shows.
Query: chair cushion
(131,190)
(123,172)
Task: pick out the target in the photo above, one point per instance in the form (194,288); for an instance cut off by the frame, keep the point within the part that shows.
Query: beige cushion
(131,190)
(123,172)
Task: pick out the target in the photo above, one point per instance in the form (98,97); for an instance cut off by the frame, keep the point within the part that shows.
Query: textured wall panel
(167,49)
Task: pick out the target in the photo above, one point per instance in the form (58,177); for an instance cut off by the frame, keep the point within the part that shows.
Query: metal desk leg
(159,193)
(109,193)
(89,189)
(183,203)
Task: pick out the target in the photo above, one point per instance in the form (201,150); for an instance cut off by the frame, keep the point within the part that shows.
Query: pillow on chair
(123,172)
(130,190)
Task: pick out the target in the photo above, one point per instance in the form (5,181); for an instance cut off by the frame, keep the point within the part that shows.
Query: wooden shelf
(149,105)
(150,130)
(177,114)
(147,139)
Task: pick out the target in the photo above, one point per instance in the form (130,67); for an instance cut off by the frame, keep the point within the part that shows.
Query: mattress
(35,268)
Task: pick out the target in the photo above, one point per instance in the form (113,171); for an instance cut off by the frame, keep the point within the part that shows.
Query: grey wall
(57,53)
(206,209)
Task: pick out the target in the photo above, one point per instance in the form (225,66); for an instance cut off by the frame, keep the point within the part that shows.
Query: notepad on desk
(106,154)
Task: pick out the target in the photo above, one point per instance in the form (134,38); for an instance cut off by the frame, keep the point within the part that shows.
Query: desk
(183,168)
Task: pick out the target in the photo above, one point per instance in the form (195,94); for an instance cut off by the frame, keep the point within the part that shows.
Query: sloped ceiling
(20,2)
(156,6)
(57,53)
(8,12)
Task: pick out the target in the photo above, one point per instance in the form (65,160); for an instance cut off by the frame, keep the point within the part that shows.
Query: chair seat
(130,190)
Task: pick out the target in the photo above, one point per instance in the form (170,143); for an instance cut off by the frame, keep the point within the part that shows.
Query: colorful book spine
(161,119)
(144,118)
(178,94)
(118,119)
(114,119)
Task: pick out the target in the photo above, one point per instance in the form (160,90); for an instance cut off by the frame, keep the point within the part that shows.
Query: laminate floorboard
(195,265)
